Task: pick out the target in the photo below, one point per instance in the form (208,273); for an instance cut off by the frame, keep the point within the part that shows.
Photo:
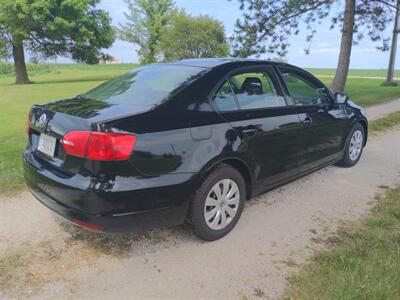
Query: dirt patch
(26,269)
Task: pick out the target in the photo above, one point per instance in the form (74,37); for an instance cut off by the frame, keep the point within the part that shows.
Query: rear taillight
(99,145)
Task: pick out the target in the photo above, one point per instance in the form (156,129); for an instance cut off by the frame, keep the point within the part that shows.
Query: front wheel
(218,203)
(354,147)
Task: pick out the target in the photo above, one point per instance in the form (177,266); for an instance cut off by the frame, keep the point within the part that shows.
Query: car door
(251,100)
(325,121)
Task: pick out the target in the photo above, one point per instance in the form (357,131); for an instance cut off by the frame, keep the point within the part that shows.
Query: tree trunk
(19,62)
(393,49)
(342,70)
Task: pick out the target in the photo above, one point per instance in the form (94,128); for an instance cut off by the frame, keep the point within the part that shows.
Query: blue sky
(324,49)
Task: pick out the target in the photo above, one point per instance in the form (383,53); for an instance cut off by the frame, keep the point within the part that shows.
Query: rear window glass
(145,86)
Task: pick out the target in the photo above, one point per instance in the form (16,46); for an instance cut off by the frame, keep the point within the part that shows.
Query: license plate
(47,144)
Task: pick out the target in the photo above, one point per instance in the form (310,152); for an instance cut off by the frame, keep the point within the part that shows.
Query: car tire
(218,203)
(354,147)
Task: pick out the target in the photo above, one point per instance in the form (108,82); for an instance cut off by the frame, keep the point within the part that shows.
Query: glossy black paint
(178,142)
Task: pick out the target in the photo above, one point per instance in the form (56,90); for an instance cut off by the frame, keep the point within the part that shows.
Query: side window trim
(268,69)
(233,93)
(216,89)
(305,75)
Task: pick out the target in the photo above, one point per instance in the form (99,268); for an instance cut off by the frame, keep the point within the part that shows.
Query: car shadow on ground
(128,244)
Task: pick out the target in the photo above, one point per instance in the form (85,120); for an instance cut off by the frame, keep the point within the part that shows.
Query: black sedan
(188,141)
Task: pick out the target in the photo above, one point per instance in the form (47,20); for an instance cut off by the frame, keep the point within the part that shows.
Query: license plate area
(47,144)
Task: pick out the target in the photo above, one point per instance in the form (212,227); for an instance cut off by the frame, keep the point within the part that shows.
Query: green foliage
(146,19)
(4,49)
(363,261)
(267,25)
(72,28)
(105,57)
(7,69)
(193,37)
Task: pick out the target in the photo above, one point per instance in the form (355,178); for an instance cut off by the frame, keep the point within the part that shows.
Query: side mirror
(341,98)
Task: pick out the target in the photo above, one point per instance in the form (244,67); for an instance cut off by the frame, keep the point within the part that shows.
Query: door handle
(307,121)
(249,131)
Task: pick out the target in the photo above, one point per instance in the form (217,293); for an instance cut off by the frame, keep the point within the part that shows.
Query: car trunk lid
(50,123)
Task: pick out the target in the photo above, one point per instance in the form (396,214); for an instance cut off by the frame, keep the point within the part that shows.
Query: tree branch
(387,3)
(293,16)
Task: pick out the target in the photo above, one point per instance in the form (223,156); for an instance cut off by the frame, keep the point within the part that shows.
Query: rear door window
(255,90)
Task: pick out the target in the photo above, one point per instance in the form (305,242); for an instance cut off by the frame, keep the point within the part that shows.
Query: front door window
(303,90)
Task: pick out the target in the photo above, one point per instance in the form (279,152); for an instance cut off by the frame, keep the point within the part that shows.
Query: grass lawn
(368,92)
(60,81)
(354,72)
(15,101)
(363,260)
(385,123)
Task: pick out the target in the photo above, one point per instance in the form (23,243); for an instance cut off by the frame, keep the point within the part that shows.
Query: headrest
(252,86)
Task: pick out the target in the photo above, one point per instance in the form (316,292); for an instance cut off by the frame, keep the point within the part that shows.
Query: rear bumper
(79,199)
(131,222)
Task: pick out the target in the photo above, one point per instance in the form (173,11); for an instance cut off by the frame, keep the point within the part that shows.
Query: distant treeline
(7,69)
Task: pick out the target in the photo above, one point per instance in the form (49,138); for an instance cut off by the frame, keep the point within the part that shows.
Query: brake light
(99,145)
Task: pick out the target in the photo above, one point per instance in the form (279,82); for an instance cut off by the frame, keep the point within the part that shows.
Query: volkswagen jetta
(186,141)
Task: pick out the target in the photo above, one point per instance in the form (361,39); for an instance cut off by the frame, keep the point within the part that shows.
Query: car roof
(211,63)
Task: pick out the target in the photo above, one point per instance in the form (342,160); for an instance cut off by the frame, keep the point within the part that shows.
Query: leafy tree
(105,57)
(193,37)
(268,24)
(146,19)
(4,50)
(72,28)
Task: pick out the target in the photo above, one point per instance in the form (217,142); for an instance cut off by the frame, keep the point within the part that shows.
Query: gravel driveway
(275,233)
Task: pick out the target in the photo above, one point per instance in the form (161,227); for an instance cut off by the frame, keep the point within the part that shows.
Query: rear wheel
(218,203)
(354,147)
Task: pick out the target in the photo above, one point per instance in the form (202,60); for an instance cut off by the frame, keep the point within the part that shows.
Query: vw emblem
(42,121)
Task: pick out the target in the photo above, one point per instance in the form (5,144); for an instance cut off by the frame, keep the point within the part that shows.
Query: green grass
(15,101)
(65,80)
(385,123)
(354,72)
(368,92)
(7,69)
(362,262)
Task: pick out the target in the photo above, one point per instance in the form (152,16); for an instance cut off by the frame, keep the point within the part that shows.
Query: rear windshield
(146,86)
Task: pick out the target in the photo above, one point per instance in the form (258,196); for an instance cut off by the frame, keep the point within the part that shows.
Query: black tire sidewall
(347,161)
(196,214)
